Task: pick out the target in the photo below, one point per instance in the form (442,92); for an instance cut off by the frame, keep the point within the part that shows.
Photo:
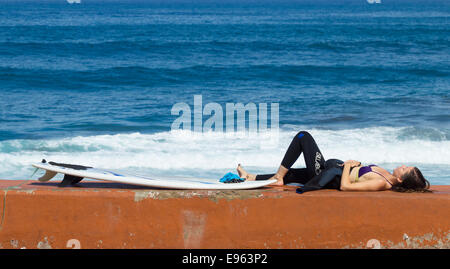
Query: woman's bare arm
(347,185)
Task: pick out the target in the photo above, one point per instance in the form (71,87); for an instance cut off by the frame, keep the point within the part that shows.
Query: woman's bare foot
(243,174)
(279,175)
(279,179)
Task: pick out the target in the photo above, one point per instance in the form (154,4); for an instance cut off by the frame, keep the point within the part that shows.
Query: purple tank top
(365,169)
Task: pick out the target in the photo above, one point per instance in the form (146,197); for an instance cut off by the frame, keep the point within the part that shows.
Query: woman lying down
(336,174)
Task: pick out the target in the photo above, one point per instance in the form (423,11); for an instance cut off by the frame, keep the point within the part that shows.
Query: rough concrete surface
(99,214)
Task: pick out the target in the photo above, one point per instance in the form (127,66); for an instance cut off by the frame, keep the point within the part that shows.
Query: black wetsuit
(318,172)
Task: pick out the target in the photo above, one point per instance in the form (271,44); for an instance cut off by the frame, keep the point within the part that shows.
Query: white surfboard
(159,182)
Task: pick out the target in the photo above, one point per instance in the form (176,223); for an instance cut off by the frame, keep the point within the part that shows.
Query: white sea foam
(177,151)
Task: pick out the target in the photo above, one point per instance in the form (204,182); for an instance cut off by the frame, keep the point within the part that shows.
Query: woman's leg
(294,175)
(304,143)
(297,175)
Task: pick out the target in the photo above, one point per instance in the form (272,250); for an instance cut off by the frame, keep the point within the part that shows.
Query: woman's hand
(351,163)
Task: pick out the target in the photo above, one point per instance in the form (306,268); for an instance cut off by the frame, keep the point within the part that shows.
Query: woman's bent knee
(302,134)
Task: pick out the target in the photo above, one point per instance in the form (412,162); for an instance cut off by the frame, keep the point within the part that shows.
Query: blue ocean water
(94,83)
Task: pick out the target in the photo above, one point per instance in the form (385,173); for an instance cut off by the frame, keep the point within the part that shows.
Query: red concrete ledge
(110,215)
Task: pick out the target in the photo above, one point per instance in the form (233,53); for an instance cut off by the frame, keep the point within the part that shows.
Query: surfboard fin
(47,176)
(69,180)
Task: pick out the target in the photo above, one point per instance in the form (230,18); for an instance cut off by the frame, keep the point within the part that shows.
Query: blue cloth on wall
(231,178)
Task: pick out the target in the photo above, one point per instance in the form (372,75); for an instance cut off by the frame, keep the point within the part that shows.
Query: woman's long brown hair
(413,181)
